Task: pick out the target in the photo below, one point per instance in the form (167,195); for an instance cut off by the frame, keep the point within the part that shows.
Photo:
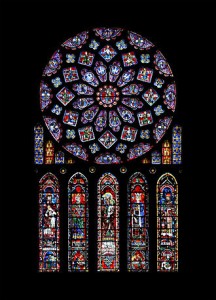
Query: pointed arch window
(49,153)
(156,157)
(38,144)
(78,222)
(166,153)
(108,223)
(138,223)
(167,223)
(177,145)
(49,233)
(59,158)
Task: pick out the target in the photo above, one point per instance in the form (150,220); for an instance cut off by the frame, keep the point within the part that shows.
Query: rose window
(107,95)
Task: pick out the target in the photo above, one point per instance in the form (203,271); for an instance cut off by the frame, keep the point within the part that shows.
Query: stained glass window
(49,231)
(138,223)
(70,161)
(107,95)
(177,145)
(78,222)
(59,157)
(49,153)
(167,223)
(156,157)
(166,153)
(108,223)
(146,160)
(38,144)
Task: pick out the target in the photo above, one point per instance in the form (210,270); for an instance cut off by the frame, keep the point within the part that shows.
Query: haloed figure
(51,215)
(109,203)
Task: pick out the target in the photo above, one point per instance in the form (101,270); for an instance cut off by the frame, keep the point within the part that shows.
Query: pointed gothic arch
(38,144)
(138,223)
(167,223)
(49,227)
(78,223)
(108,223)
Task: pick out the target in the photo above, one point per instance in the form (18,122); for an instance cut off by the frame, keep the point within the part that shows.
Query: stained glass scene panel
(156,157)
(49,153)
(138,223)
(177,145)
(108,223)
(78,222)
(38,144)
(59,158)
(49,231)
(166,153)
(167,223)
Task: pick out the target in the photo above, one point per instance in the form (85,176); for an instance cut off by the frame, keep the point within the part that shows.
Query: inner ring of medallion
(107,96)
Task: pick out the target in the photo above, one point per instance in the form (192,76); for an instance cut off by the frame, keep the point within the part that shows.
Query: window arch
(167,223)
(166,152)
(156,157)
(49,153)
(108,223)
(177,144)
(59,157)
(78,222)
(38,144)
(138,223)
(49,232)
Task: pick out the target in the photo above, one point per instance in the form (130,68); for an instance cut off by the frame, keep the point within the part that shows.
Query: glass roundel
(107,95)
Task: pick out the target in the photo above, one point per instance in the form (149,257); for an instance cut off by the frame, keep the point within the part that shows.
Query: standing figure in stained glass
(49,224)
(167,197)
(108,215)
(51,215)
(138,211)
(78,223)
(167,228)
(77,231)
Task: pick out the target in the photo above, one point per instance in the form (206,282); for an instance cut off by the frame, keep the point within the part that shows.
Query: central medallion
(107,96)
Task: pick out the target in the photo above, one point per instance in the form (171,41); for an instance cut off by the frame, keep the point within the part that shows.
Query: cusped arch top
(78,175)
(138,175)
(107,178)
(49,180)
(167,179)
